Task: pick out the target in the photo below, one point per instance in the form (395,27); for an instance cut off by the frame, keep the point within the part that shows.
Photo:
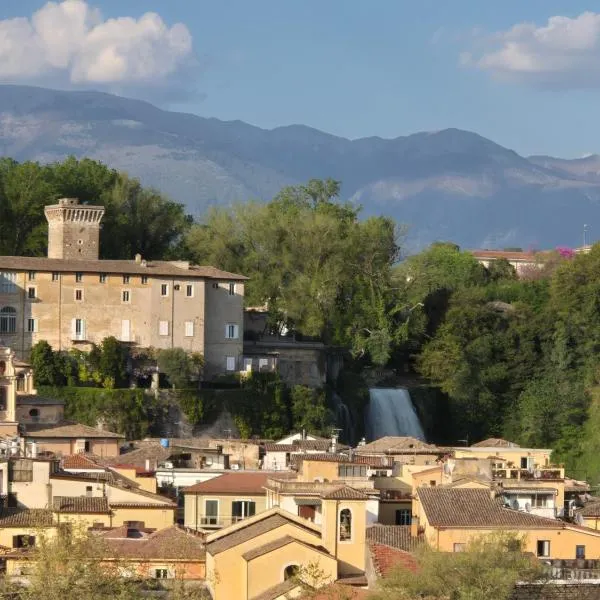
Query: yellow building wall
(154,518)
(108,447)
(146,483)
(267,571)
(194,507)
(313,470)
(541,457)
(7,533)
(226,572)
(591,522)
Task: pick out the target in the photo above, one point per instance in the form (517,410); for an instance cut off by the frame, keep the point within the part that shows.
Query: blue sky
(349,67)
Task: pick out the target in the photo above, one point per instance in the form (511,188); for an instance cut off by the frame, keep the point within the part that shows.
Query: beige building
(73,299)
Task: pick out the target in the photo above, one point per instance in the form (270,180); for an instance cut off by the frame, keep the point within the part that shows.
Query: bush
(180,367)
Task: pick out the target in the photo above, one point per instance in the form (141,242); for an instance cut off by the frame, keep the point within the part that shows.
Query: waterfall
(391,412)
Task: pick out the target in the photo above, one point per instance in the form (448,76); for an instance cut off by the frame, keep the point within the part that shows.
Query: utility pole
(585,230)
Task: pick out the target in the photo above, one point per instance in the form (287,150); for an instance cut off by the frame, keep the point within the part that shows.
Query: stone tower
(73,230)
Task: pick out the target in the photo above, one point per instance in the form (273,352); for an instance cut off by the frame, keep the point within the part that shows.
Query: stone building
(73,299)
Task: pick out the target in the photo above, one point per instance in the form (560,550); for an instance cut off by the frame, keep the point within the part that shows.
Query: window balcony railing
(217,522)
(528,474)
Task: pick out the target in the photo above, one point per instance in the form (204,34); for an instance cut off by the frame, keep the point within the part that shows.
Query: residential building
(226,499)
(160,304)
(522,262)
(283,454)
(404,449)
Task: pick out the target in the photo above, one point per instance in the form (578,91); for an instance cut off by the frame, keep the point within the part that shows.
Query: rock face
(445,185)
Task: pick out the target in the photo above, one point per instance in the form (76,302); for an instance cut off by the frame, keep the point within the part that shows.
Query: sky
(525,74)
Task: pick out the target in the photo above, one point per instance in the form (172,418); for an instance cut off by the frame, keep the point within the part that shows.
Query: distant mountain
(451,184)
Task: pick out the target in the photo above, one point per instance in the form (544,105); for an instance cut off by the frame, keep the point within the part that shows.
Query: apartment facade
(72,299)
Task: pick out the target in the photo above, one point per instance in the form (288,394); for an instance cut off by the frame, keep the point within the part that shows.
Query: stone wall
(576,590)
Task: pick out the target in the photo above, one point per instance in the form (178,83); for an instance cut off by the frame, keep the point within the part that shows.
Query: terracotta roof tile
(591,509)
(81,504)
(495,443)
(80,461)
(397,444)
(344,493)
(68,430)
(470,507)
(275,545)
(277,590)
(33,517)
(374,461)
(160,268)
(250,531)
(396,536)
(232,483)
(386,559)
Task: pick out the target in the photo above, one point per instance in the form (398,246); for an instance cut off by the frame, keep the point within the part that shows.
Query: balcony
(218,522)
(529,475)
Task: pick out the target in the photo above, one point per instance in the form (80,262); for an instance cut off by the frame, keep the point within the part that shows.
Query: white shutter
(125,330)
(83,333)
(236,332)
(163,328)
(227,331)
(231,363)
(189,329)
(73,329)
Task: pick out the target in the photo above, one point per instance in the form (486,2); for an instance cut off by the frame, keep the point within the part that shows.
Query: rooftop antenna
(465,441)
(585,230)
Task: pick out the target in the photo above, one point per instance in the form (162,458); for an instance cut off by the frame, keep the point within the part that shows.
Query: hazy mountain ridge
(449,184)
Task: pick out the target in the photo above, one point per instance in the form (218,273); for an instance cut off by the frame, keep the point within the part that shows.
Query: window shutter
(236,333)
(189,328)
(73,328)
(83,333)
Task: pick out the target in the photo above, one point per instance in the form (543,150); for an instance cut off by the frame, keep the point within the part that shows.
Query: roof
(277,590)
(395,536)
(157,268)
(233,536)
(472,508)
(386,559)
(154,453)
(81,504)
(31,399)
(344,492)
(80,461)
(356,459)
(396,444)
(495,443)
(591,509)
(275,545)
(494,254)
(33,517)
(232,483)
(68,429)
(170,543)
(303,445)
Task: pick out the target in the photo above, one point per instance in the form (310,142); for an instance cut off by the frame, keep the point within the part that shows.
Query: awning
(538,491)
(307,501)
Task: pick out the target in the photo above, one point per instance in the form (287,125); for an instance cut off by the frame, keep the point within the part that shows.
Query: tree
(180,367)
(309,411)
(112,362)
(489,568)
(46,364)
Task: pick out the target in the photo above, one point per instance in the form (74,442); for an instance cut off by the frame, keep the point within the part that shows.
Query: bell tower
(73,230)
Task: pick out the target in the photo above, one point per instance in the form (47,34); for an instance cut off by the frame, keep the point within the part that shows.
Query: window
(78,329)
(432,483)
(8,283)
(31,293)
(459,547)
(543,547)
(8,320)
(232,289)
(144,279)
(125,278)
(580,552)
(20,470)
(290,572)
(78,277)
(211,512)
(215,286)
(32,326)
(189,329)
(31,276)
(231,331)
(23,541)
(345,525)
(403,516)
(55,276)
(352,470)
(189,290)
(163,328)
(89,491)
(79,295)
(241,509)
(541,501)
(164,289)
(161,573)
(230,363)
(3,397)
(34,413)
(102,278)
(126,296)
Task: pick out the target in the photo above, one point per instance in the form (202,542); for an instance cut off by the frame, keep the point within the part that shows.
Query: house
(261,555)
(448,518)
(282,454)
(20,528)
(589,514)
(57,298)
(226,499)
(510,453)
(405,449)
(522,262)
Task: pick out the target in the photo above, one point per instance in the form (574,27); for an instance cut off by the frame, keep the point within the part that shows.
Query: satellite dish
(528,507)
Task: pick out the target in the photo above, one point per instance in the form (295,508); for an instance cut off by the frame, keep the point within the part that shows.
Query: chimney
(138,259)
(363,442)
(147,464)
(333,443)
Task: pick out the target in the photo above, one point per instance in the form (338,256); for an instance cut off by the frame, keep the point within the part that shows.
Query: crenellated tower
(73,230)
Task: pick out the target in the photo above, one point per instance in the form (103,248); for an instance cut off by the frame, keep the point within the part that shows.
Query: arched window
(345,524)
(290,571)
(34,412)
(8,320)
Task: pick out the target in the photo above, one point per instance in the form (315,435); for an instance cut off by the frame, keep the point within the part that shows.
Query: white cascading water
(391,412)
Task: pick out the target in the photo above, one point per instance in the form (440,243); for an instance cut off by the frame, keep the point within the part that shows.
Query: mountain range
(444,185)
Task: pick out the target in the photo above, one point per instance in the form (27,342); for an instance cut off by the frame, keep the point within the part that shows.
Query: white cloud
(563,53)
(70,39)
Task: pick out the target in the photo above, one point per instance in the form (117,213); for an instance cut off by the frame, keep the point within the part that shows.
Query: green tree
(490,567)
(46,364)
(309,410)
(112,362)
(181,368)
